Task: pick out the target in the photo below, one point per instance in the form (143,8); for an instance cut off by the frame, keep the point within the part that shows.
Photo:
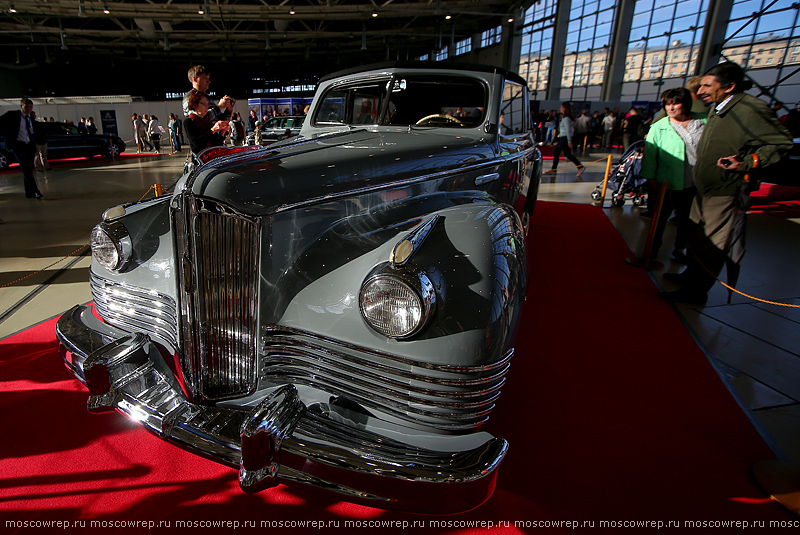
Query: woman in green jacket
(669,155)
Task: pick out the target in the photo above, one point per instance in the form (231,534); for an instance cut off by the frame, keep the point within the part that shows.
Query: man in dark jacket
(742,137)
(17,126)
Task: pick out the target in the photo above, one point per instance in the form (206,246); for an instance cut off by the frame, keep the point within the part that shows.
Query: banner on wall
(108,118)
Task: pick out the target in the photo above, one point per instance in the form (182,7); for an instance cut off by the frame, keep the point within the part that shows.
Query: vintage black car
(278,129)
(336,310)
(64,140)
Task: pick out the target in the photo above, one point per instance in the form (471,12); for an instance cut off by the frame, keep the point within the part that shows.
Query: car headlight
(397,305)
(111,245)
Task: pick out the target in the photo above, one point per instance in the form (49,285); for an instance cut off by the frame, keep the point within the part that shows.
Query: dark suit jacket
(9,126)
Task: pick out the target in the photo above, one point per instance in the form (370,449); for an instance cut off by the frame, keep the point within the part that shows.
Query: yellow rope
(757,298)
(73,253)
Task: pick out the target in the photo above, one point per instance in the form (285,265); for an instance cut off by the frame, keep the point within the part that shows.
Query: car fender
(474,256)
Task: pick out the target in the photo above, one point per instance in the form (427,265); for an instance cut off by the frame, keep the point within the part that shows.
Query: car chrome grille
(439,396)
(219,296)
(136,309)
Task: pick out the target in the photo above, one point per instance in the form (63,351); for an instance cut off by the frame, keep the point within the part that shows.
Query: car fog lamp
(392,307)
(111,245)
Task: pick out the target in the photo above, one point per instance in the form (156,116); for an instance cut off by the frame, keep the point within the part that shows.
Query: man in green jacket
(742,133)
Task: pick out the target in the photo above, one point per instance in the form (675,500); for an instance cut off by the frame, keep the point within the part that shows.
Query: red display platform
(614,417)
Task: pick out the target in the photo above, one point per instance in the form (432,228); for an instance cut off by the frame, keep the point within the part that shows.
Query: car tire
(5,159)
(113,152)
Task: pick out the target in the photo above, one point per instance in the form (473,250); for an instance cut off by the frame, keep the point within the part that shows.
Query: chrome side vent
(136,309)
(219,294)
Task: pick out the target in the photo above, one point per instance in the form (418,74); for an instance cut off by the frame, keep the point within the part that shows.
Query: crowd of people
(604,130)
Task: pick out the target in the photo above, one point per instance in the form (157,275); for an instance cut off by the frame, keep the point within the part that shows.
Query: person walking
(154,132)
(173,133)
(17,126)
(742,136)
(551,124)
(609,121)
(669,155)
(40,162)
(631,129)
(566,129)
(583,125)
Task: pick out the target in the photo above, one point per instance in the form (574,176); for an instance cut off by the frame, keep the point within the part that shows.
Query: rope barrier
(734,290)
(73,253)
(159,192)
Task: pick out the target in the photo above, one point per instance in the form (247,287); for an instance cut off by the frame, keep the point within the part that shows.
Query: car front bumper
(281,440)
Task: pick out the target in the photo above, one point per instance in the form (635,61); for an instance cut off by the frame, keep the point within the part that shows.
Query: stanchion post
(602,200)
(646,262)
(159,191)
(111,148)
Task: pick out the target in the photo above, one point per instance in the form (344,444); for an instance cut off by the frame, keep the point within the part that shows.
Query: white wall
(73,113)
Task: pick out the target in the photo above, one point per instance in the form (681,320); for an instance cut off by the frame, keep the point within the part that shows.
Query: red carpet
(612,414)
(773,199)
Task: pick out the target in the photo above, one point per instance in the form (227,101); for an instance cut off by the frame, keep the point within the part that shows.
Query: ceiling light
(510,19)
(448,16)
(291,10)
(374,14)
(106,10)
(11,8)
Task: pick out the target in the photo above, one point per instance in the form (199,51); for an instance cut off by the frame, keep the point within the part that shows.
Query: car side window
(513,118)
(333,108)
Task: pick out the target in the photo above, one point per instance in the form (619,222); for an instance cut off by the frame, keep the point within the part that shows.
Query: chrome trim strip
(484,179)
(443,399)
(282,329)
(136,309)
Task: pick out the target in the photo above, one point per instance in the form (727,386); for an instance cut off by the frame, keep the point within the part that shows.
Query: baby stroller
(625,179)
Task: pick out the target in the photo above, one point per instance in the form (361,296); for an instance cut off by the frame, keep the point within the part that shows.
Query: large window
(492,36)
(663,46)
(462,47)
(763,37)
(591,25)
(537,42)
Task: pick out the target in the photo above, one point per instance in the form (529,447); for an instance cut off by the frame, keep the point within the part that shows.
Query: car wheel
(113,152)
(4,160)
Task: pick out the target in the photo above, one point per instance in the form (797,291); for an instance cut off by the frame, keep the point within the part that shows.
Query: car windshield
(417,99)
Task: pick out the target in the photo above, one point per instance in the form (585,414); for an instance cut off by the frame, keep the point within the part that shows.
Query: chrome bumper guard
(280,440)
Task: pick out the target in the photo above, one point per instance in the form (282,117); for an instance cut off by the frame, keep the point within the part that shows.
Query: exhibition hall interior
(617,405)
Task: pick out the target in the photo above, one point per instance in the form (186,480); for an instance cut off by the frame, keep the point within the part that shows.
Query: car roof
(426,66)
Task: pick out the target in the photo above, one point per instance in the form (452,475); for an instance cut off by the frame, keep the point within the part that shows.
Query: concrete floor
(754,346)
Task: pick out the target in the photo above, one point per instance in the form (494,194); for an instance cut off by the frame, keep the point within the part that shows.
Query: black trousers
(681,202)
(563,146)
(25,153)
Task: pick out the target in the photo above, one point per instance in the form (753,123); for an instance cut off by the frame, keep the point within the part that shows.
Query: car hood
(268,179)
